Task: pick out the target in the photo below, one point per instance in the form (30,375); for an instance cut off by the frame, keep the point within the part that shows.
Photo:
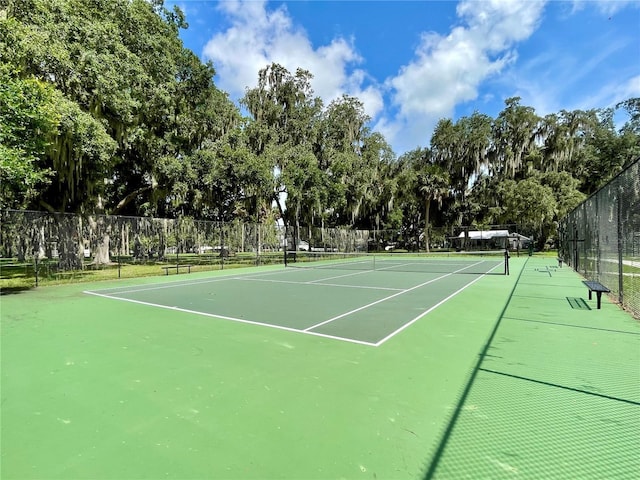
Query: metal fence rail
(600,239)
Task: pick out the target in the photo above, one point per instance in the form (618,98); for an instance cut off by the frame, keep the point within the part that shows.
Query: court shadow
(509,425)
(543,405)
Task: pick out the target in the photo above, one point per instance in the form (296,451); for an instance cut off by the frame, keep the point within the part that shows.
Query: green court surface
(321,374)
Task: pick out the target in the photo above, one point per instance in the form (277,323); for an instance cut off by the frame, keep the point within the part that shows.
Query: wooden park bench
(176,267)
(596,287)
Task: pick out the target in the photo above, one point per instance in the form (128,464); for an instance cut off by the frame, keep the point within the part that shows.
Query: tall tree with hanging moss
(281,131)
(130,99)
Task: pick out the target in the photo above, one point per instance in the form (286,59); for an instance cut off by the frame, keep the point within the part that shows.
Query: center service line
(385,299)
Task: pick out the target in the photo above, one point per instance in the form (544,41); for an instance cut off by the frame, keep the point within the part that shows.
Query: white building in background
(490,240)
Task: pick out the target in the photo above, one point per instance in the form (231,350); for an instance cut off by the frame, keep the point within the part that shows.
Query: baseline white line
(429,310)
(233,319)
(334,337)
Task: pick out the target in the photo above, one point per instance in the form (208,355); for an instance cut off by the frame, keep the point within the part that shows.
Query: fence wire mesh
(42,246)
(467,238)
(600,239)
(56,246)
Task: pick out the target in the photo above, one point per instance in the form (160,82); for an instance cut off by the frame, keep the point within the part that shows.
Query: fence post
(221,245)
(620,246)
(596,240)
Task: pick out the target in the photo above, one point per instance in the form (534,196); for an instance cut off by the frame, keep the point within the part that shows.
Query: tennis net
(492,262)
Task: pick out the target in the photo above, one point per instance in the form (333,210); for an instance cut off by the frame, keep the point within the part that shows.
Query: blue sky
(414,62)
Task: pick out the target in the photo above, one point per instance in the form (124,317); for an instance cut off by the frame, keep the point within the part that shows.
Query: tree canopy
(103,110)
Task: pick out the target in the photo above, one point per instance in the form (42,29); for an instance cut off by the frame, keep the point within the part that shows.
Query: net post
(289,257)
(506,261)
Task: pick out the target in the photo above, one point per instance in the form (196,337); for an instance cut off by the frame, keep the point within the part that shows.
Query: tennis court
(364,299)
(322,373)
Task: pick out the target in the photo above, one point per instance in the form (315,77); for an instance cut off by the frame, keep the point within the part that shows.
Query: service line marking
(316,282)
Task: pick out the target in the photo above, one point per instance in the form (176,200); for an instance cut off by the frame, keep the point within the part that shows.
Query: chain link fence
(41,247)
(458,238)
(600,239)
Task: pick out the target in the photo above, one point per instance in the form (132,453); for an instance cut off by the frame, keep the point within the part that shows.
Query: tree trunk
(39,248)
(70,254)
(297,227)
(101,256)
(427,204)
(101,232)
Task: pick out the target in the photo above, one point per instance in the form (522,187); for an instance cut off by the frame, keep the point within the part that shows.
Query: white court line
(315,282)
(182,283)
(393,266)
(307,330)
(332,264)
(388,298)
(360,272)
(233,319)
(373,303)
(342,285)
(429,310)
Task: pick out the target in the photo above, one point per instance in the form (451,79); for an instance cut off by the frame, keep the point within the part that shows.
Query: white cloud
(259,36)
(608,95)
(630,89)
(448,70)
(568,74)
(606,7)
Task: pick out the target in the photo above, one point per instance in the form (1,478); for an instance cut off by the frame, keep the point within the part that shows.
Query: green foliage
(81,157)
(528,203)
(565,191)
(28,119)
(103,109)
(130,98)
